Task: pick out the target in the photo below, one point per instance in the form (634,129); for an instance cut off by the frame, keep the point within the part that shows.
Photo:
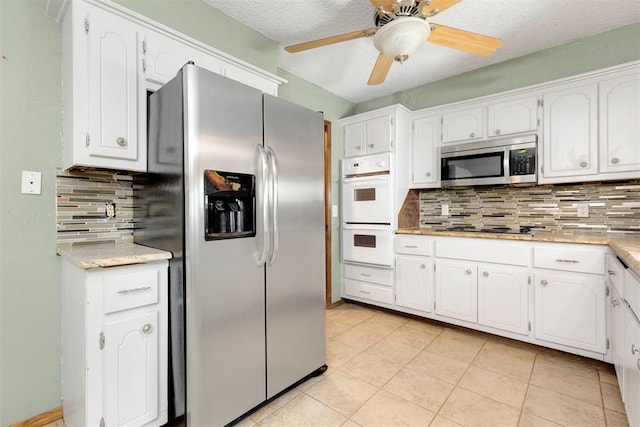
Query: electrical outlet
(583,210)
(31,182)
(110,210)
(444,210)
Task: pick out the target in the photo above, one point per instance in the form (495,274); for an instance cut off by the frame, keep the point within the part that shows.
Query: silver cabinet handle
(423,265)
(411,246)
(472,135)
(571,261)
(584,164)
(428,174)
(468,271)
(544,282)
(634,349)
(371,145)
(365,275)
(128,291)
(615,161)
(611,272)
(365,292)
(121,141)
(485,274)
(615,302)
(358,147)
(147,328)
(638,363)
(498,132)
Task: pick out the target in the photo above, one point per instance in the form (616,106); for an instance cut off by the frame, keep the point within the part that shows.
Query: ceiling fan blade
(380,70)
(330,40)
(438,6)
(463,40)
(385,4)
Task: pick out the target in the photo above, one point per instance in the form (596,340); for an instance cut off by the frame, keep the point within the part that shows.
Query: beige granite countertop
(626,246)
(110,254)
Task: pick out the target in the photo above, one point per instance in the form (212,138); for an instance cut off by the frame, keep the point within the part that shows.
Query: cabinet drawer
(130,290)
(382,276)
(413,246)
(373,292)
(615,271)
(580,260)
(484,250)
(632,292)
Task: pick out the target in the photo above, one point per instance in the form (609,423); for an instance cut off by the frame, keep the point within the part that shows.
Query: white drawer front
(130,290)
(632,292)
(372,292)
(615,271)
(579,260)
(485,250)
(413,246)
(382,276)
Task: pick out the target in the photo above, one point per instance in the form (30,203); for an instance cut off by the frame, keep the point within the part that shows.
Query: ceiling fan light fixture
(400,38)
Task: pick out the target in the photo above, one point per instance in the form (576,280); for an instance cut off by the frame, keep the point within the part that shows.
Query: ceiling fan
(401,26)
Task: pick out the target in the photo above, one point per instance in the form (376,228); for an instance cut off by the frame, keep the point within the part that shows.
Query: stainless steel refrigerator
(235,191)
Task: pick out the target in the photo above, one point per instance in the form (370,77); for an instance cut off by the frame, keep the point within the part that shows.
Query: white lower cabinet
(414,282)
(368,284)
(457,290)
(115,341)
(570,309)
(502,298)
(631,387)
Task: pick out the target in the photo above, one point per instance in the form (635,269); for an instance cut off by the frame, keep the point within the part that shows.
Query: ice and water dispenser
(229,205)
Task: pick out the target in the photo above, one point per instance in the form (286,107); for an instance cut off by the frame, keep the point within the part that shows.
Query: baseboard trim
(42,419)
(335,304)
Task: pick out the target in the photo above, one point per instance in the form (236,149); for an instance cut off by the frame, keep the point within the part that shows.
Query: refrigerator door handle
(274,204)
(264,190)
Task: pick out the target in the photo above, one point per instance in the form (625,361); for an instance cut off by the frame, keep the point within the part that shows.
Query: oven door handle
(366,178)
(366,227)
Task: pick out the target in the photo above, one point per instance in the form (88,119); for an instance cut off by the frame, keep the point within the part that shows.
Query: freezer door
(224,286)
(295,277)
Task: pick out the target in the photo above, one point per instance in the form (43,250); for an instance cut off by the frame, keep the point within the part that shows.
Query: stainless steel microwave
(503,161)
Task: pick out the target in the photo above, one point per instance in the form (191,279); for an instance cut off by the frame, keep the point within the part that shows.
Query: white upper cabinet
(511,117)
(620,123)
(465,125)
(425,160)
(570,139)
(369,136)
(163,57)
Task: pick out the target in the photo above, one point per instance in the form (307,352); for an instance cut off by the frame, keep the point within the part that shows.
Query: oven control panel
(378,163)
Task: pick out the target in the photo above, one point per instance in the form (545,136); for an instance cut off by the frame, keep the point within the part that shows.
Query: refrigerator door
(295,277)
(224,286)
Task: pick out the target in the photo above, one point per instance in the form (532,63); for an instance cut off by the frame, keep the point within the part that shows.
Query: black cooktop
(497,230)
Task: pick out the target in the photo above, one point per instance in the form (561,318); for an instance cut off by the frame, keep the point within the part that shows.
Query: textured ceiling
(343,69)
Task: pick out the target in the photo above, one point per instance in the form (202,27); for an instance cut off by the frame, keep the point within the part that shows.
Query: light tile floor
(390,370)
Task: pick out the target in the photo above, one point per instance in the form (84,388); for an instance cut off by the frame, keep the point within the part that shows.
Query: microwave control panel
(522,161)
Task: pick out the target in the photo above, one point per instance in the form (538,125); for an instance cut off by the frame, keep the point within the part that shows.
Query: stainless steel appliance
(367,210)
(503,161)
(235,192)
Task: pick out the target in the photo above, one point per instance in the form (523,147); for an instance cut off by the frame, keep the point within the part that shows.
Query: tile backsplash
(613,206)
(81,199)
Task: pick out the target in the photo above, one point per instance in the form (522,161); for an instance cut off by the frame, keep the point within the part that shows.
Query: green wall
(30,103)
(587,54)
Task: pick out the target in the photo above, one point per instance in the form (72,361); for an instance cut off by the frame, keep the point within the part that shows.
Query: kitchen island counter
(101,255)
(626,246)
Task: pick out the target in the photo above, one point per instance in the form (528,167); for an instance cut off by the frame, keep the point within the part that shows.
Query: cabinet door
(164,57)
(570,144)
(463,125)
(414,282)
(112,72)
(570,309)
(426,134)
(511,117)
(379,135)
(502,298)
(631,390)
(617,308)
(620,124)
(131,369)
(355,139)
(456,290)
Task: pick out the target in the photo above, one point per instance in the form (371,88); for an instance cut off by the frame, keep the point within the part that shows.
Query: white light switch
(583,210)
(445,210)
(334,211)
(31,182)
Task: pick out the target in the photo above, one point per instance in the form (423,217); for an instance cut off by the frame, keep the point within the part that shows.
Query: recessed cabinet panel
(355,139)
(512,117)
(463,125)
(379,139)
(620,124)
(112,87)
(570,144)
(414,281)
(426,136)
(570,309)
(631,390)
(164,57)
(457,290)
(502,298)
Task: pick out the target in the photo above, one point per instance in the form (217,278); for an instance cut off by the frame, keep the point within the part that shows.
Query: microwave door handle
(274,204)
(365,227)
(264,190)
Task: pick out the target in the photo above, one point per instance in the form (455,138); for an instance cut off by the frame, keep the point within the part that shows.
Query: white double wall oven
(367,210)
